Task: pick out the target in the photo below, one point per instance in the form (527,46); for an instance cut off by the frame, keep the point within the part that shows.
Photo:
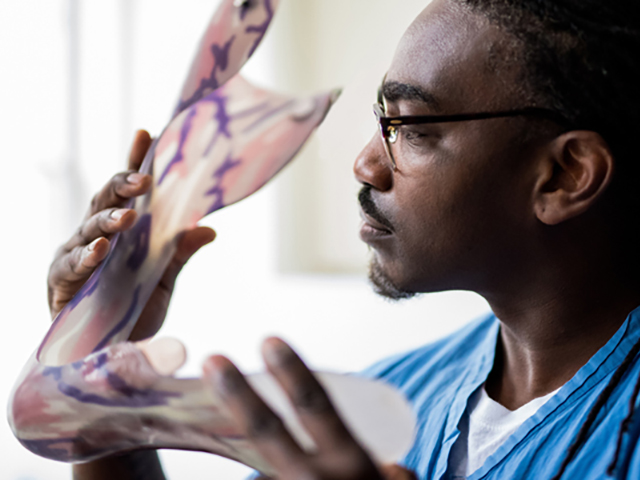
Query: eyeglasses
(389,126)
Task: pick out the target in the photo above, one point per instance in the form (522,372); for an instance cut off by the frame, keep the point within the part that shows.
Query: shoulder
(439,358)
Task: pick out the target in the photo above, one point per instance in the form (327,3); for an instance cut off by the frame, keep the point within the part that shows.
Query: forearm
(141,465)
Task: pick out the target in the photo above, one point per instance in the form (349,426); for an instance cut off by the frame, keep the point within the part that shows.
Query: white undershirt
(485,428)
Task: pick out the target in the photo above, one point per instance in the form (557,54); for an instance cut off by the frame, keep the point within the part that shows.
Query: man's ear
(578,169)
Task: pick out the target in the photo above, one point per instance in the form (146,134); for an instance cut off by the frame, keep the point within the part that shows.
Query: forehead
(450,52)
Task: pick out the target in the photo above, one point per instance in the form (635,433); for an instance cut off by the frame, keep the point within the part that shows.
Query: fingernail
(118,214)
(91,247)
(277,352)
(135,178)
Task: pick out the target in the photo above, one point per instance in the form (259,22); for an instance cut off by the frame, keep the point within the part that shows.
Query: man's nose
(373,166)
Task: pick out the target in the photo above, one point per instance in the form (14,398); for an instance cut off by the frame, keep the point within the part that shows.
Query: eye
(414,136)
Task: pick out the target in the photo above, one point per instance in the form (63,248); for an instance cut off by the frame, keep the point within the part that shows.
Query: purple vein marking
(122,323)
(224,119)
(44,447)
(142,234)
(221,116)
(54,372)
(184,134)
(220,64)
(130,396)
(262,28)
(217,190)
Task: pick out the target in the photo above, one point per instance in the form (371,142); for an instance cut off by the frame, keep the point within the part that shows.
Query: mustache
(370,208)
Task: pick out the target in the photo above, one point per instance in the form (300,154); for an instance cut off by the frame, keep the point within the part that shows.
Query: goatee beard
(383,285)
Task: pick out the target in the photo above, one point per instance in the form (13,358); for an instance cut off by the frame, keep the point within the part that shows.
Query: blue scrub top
(440,378)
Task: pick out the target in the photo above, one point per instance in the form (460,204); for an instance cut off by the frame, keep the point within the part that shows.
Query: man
(505,166)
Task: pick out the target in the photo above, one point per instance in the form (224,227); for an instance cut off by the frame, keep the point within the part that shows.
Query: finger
(124,186)
(193,240)
(102,224)
(153,315)
(81,261)
(190,242)
(310,401)
(119,190)
(141,143)
(70,271)
(254,418)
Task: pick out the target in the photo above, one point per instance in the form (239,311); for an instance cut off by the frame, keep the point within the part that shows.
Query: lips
(369,209)
(372,232)
(374,224)
(374,227)
(373,236)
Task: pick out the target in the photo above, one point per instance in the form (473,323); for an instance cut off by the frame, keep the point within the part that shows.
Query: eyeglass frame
(389,125)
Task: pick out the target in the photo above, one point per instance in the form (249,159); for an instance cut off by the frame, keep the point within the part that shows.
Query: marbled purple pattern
(142,232)
(224,64)
(261,30)
(216,191)
(87,392)
(45,447)
(221,58)
(129,396)
(126,320)
(179,156)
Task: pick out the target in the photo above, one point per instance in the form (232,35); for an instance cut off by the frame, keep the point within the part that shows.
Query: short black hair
(580,58)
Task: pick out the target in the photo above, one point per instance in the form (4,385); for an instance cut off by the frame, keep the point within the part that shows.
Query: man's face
(456,213)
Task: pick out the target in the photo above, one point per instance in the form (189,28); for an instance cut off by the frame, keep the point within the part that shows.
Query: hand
(76,260)
(338,456)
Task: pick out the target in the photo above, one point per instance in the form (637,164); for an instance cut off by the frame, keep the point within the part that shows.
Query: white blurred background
(77,77)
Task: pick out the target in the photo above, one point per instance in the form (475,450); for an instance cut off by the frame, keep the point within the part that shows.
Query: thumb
(190,242)
(155,311)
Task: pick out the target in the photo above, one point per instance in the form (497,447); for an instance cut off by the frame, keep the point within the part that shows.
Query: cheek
(457,213)
(443,217)
(442,200)
(435,216)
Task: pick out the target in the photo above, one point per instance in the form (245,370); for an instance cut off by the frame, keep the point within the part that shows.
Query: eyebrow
(396,91)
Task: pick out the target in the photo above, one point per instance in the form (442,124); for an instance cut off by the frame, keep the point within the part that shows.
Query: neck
(552,326)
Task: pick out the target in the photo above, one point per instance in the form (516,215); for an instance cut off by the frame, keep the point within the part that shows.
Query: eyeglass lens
(388,136)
